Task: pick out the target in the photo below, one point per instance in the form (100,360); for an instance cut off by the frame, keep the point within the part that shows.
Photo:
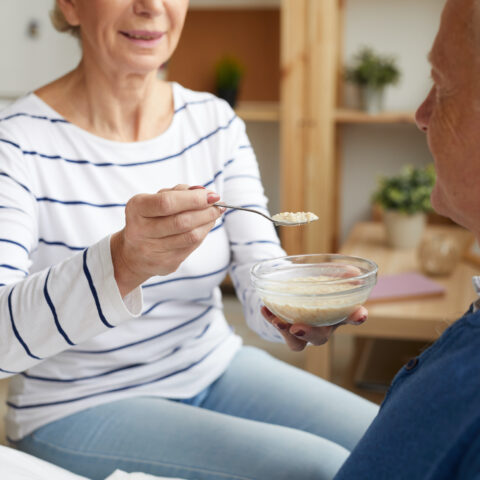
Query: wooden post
(309,74)
(308,93)
(320,171)
(294,99)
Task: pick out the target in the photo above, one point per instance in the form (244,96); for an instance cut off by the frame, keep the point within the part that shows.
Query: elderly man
(429,424)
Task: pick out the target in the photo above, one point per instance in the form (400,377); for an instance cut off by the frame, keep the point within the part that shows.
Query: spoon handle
(244,209)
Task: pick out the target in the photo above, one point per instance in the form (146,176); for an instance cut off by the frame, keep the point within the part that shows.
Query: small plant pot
(403,230)
(228,94)
(372,99)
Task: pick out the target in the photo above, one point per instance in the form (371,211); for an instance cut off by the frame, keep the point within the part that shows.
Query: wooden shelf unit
(233,4)
(345,116)
(258,111)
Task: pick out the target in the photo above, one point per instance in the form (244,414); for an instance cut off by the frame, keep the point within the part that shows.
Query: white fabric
(119,475)
(16,465)
(63,189)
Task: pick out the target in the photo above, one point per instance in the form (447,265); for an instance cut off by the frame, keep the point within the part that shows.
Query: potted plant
(405,200)
(372,73)
(228,75)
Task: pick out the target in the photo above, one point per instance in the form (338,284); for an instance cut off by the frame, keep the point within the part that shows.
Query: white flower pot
(403,230)
(372,99)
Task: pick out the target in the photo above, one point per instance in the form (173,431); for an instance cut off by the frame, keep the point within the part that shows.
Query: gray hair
(60,22)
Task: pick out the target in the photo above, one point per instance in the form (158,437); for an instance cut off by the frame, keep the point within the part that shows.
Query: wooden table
(421,319)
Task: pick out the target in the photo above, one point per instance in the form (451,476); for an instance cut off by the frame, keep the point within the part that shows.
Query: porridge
(315,310)
(295,217)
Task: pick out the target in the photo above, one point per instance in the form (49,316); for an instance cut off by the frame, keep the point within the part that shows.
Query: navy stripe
(6,240)
(14,328)
(234,177)
(110,372)
(261,207)
(80,202)
(242,147)
(54,312)
(132,164)
(3,284)
(138,342)
(228,162)
(62,120)
(7,207)
(192,277)
(220,225)
(79,379)
(8,371)
(3,174)
(11,267)
(203,332)
(119,389)
(94,291)
(254,242)
(60,244)
(36,117)
(213,179)
(196,102)
(80,248)
(195,300)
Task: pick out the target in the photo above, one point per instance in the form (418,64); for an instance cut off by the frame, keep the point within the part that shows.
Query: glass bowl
(320,289)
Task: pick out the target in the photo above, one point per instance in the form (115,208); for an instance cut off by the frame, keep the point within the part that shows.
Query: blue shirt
(428,426)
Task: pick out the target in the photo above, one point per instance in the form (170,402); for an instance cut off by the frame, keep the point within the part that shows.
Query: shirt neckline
(115,143)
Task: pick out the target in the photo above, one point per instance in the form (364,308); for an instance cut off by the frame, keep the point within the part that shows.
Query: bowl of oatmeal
(319,290)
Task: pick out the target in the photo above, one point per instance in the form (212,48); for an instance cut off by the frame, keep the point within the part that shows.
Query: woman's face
(131,36)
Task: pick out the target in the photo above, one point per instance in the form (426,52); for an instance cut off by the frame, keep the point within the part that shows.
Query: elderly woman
(111,316)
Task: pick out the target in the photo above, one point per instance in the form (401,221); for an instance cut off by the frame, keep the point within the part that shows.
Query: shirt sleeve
(252,238)
(48,311)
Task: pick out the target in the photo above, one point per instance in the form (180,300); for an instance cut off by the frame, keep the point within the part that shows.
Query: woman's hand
(299,334)
(161,230)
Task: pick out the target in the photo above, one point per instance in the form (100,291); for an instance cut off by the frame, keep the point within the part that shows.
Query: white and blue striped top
(64,328)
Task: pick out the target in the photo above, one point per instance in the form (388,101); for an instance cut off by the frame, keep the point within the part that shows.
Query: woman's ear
(69,9)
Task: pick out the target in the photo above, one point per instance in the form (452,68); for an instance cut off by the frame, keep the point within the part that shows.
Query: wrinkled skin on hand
(161,231)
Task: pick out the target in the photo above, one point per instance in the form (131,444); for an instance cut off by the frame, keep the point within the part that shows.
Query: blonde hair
(60,22)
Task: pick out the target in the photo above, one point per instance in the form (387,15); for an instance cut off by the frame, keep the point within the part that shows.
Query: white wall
(265,139)
(26,62)
(405,28)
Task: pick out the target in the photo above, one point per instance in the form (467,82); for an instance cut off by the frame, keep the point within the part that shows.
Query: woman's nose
(149,8)
(424,111)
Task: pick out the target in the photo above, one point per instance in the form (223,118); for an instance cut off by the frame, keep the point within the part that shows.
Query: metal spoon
(284,223)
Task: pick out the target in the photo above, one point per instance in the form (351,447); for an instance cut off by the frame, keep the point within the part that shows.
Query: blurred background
(328,91)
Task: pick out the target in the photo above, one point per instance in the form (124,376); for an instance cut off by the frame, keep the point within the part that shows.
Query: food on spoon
(295,217)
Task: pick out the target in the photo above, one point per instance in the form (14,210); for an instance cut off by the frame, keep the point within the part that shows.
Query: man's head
(450,115)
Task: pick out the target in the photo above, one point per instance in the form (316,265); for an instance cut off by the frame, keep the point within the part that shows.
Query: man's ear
(69,10)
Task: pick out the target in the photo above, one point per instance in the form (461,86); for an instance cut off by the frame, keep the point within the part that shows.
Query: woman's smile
(143,38)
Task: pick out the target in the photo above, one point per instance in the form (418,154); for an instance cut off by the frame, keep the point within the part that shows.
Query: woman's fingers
(358,316)
(170,202)
(184,222)
(294,343)
(186,239)
(298,335)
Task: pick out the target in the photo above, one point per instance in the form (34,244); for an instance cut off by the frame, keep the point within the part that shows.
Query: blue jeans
(262,420)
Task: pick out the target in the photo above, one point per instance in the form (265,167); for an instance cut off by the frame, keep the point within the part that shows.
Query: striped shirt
(65,330)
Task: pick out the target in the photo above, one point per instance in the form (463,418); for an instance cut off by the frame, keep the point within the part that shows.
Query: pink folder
(404,286)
